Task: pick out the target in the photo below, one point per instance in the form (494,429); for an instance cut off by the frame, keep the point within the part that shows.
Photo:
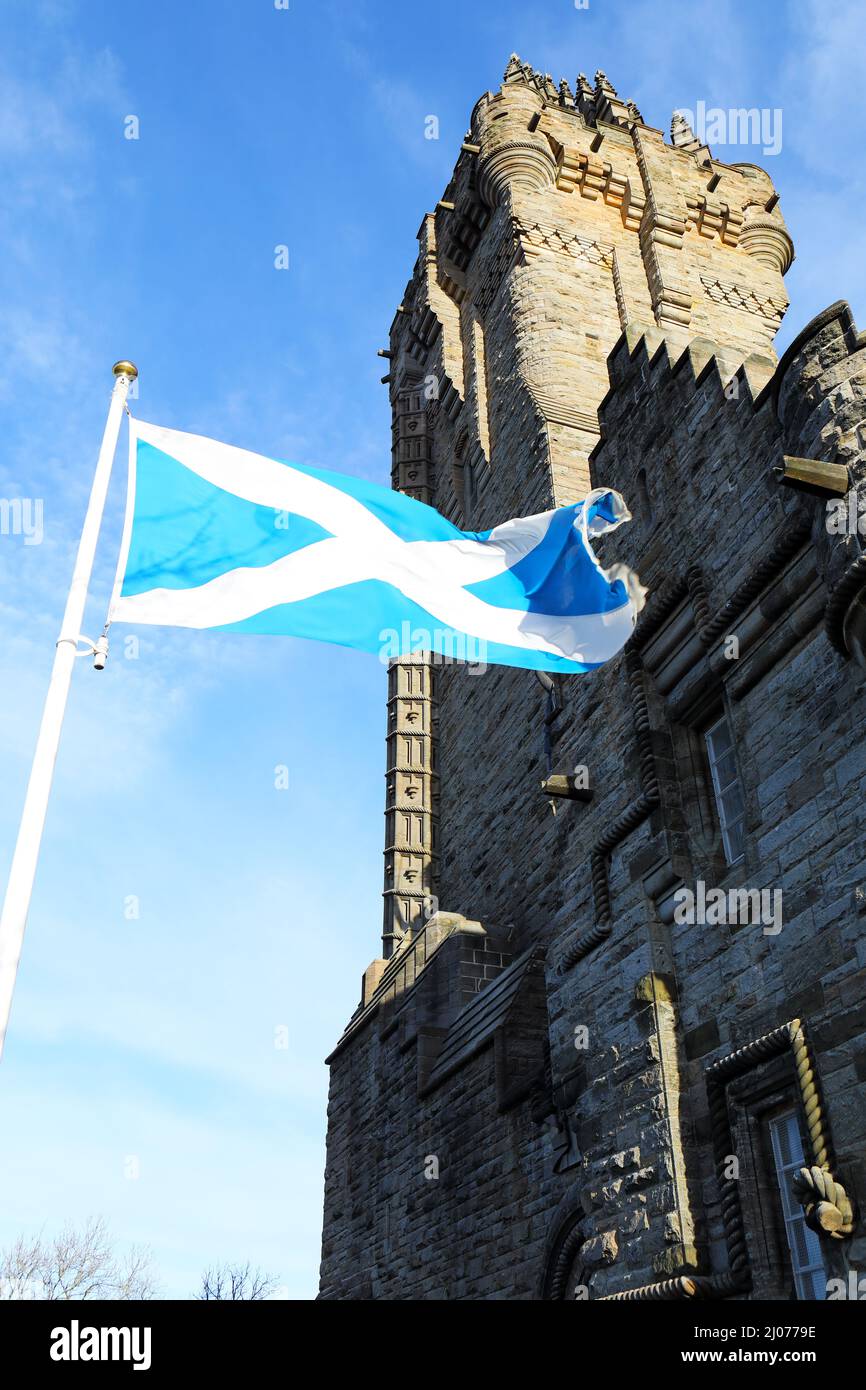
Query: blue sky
(148,1044)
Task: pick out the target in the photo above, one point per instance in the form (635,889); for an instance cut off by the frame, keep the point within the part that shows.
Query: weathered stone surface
(594,306)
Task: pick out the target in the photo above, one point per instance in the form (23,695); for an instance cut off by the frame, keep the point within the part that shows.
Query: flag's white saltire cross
(218,537)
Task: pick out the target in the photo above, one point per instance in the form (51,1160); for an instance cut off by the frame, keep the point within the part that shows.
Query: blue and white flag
(217,537)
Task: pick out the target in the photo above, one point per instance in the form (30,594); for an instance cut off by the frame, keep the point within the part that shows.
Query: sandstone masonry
(553,1085)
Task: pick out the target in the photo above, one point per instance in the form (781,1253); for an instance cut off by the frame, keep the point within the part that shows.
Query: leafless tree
(233,1282)
(76,1264)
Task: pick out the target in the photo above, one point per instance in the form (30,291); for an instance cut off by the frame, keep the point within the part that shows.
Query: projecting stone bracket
(571,786)
(813,475)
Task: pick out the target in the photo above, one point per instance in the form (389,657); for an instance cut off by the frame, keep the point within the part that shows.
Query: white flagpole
(19,888)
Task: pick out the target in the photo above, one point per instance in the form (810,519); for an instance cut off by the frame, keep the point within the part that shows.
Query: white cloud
(40,118)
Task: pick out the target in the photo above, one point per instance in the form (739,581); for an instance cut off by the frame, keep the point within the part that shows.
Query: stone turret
(552,1067)
(571,202)
(567,220)
(820,390)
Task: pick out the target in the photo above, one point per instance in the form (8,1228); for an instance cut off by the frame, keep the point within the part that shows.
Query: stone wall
(554,1086)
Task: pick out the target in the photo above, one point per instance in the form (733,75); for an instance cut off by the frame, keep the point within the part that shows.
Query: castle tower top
(568,220)
(601,102)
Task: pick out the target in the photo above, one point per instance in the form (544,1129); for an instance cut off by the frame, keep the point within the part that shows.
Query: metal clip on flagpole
(19,888)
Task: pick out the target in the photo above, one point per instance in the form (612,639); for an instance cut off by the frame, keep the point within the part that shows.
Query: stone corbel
(813,474)
(616,188)
(732,224)
(569,170)
(577,170)
(633,204)
(594,178)
(711,218)
(666,229)
(661,233)
(564,784)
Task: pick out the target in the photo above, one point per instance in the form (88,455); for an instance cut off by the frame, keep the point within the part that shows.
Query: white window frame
(719,788)
(804,1283)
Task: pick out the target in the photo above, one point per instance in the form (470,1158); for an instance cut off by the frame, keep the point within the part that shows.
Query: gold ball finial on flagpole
(125,369)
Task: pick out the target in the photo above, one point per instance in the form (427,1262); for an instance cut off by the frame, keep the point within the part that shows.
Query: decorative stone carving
(682,135)
(825,1202)
(740,297)
(766,238)
(523,163)
(589,242)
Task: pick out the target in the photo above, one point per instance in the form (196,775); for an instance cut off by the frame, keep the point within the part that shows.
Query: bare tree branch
(75,1265)
(231,1283)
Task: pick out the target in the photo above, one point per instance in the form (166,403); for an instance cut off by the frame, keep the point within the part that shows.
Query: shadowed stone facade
(555,1085)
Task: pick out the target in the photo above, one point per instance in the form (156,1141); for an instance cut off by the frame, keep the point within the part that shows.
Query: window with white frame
(807,1263)
(726,787)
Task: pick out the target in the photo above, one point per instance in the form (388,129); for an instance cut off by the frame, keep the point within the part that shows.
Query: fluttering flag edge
(266,482)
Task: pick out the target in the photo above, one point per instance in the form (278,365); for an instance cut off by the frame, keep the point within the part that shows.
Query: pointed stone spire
(610,107)
(584,98)
(684,138)
(682,135)
(515,70)
(599,103)
(602,86)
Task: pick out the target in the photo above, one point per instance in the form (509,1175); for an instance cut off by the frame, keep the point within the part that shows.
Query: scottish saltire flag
(217,537)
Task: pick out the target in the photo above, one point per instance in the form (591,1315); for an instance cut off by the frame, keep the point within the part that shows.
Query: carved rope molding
(664,1291)
(828,1209)
(562,1263)
(709,630)
(840,599)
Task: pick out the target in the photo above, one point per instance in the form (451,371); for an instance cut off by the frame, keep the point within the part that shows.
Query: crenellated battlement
(569,220)
(579,273)
(594,104)
(595,304)
(648,371)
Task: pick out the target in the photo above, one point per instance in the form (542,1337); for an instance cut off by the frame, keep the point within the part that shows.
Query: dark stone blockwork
(553,1086)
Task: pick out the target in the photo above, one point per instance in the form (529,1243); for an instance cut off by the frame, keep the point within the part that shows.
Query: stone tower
(547,1067)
